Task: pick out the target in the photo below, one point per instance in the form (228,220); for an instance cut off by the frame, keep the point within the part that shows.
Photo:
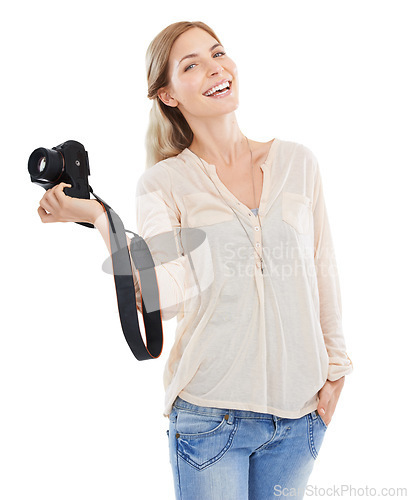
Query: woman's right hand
(63,208)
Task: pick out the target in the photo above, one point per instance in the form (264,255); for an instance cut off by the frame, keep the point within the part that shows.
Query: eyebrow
(196,55)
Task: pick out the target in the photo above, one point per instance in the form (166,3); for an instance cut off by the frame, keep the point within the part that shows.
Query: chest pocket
(205,209)
(297,211)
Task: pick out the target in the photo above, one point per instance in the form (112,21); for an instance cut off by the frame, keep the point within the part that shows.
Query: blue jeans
(227,454)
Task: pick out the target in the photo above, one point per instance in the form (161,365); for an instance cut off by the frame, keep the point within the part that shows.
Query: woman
(259,357)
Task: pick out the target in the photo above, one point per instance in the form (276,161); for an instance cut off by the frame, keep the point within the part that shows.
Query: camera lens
(46,165)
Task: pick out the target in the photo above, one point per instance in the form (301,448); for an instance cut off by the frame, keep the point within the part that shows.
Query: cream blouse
(245,339)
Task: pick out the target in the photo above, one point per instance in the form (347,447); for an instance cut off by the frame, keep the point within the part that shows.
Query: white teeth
(219,87)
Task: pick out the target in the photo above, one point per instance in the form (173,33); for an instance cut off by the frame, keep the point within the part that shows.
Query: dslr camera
(68,162)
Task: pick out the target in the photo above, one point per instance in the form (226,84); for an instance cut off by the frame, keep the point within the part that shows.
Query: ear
(166,98)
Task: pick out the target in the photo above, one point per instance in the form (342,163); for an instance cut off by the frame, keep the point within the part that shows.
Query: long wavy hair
(168,132)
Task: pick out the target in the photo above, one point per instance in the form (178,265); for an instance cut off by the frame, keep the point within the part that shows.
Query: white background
(80,417)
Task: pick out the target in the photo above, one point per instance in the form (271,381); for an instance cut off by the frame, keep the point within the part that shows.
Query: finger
(44,216)
(59,191)
(50,201)
(54,201)
(46,204)
(62,185)
(323,404)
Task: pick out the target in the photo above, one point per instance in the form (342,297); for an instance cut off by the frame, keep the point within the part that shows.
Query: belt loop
(229,417)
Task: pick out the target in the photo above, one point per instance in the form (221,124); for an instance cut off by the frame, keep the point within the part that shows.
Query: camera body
(68,162)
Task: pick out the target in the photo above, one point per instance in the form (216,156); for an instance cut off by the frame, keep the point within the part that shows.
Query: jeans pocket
(203,439)
(316,432)
(195,424)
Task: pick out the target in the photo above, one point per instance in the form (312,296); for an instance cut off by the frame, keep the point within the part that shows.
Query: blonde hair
(168,132)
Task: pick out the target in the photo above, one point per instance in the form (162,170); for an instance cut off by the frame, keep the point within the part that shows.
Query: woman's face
(191,77)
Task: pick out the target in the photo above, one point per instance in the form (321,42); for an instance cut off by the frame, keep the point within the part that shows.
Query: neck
(218,140)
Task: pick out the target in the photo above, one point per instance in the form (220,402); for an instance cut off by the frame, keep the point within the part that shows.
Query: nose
(215,67)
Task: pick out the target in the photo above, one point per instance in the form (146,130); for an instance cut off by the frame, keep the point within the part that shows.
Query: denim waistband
(209,410)
(232,412)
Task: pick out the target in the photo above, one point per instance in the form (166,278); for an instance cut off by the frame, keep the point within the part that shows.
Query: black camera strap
(125,288)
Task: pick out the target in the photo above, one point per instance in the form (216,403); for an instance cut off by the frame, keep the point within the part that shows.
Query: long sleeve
(329,287)
(158,223)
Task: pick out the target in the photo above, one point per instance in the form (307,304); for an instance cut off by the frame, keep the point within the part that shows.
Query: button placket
(257,237)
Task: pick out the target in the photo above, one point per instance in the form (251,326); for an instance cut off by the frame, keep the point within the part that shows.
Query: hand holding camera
(63,208)
(63,171)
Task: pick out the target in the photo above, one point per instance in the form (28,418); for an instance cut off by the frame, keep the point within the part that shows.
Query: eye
(188,67)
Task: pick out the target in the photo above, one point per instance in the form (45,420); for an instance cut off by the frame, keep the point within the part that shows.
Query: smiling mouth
(223,90)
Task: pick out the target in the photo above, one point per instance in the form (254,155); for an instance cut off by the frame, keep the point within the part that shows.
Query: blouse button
(256,228)
(258,244)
